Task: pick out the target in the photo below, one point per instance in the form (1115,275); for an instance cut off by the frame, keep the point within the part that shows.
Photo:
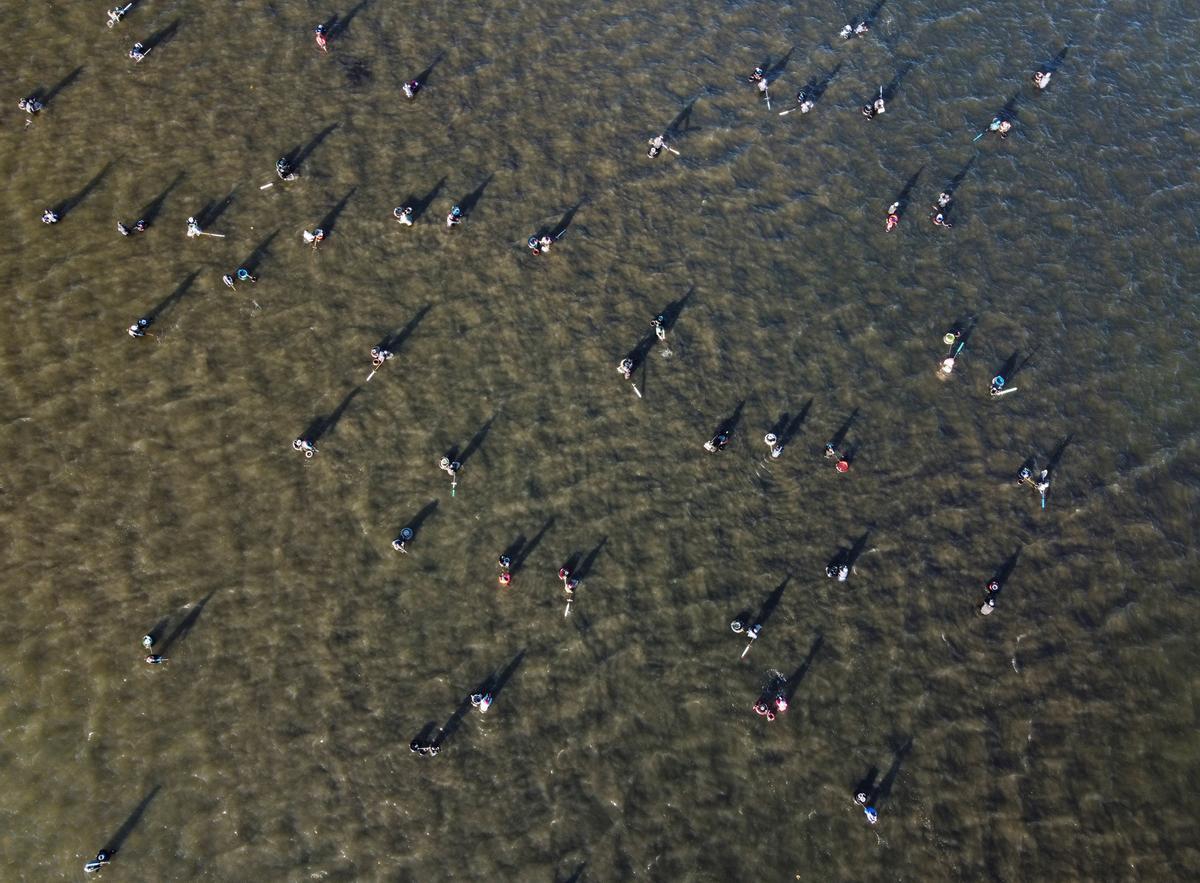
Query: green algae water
(150,486)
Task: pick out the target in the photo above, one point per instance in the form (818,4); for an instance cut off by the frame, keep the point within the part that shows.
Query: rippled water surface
(150,484)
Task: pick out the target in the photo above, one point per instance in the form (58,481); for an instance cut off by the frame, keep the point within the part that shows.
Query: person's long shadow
(902,196)
(730,423)
(473,445)
(448,729)
(68,204)
(423,77)
(965,326)
(793,682)
(154,207)
(114,843)
(336,26)
(323,425)
(771,602)
(577,874)
(589,560)
(418,521)
(873,12)
(1013,365)
(787,426)
(261,251)
(393,342)
(889,778)
(519,550)
(298,154)
(775,71)
(962,173)
(215,208)
(327,223)
(1004,571)
(468,202)
(186,624)
(815,88)
(1057,60)
(420,204)
(158,38)
(840,435)
(682,122)
(671,312)
(497,681)
(1009,110)
(866,785)
(1057,455)
(641,349)
(890,90)
(559,230)
(848,556)
(174,297)
(47,95)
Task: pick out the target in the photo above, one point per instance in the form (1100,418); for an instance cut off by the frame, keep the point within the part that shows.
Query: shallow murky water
(150,484)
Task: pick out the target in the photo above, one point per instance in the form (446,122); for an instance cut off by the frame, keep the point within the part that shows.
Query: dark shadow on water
(576,875)
(814,89)
(468,202)
(964,326)
(158,38)
(840,436)
(114,843)
(327,223)
(682,121)
(154,208)
(638,354)
(321,426)
(1057,455)
(889,778)
(866,785)
(418,521)
(214,209)
(473,445)
(589,561)
(519,550)
(65,207)
(1057,61)
(730,423)
(1014,364)
(496,683)
(298,154)
(787,426)
(793,682)
(774,71)
(559,230)
(1009,111)
(671,311)
(186,625)
(159,628)
(848,556)
(902,196)
(962,174)
(1004,571)
(339,26)
(451,726)
(174,297)
(771,602)
(256,257)
(393,342)
(893,86)
(422,737)
(423,76)
(420,204)
(47,95)
(357,70)
(873,12)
